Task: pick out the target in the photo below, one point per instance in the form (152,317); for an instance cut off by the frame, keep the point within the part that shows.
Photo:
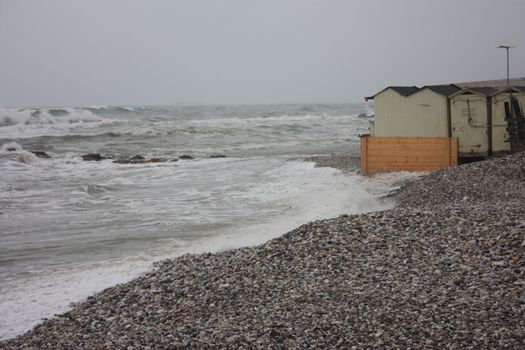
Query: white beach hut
(410,111)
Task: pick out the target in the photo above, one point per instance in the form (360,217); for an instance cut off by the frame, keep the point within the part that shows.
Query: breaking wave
(14,151)
(34,122)
(45,116)
(106,108)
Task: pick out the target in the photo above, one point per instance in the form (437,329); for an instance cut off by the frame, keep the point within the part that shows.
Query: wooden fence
(384,154)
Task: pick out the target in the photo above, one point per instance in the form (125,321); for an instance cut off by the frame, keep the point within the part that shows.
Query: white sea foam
(71,228)
(272,202)
(282,119)
(10,147)
(15,151)
(369,109)
(385,183)
(25,123)
(158,130)
(24,306)
(97,107)
(12,116)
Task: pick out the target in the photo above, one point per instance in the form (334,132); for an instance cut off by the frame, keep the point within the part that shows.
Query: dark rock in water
(156,160)
(185,156)
(92,157)
(364,115)
(174,160)
(11,149)
(41,154)
(217,156)
(139,160)
(121,161)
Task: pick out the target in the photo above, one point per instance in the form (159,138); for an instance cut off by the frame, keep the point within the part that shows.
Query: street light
(506,47)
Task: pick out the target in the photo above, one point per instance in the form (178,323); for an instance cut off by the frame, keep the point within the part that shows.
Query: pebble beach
(443,269)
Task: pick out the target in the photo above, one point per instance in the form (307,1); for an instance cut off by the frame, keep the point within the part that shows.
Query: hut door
(469,125)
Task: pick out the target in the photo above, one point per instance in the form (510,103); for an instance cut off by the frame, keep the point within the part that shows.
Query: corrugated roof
(487,91)
(402,90)
(445,90)
(515,89)
(486,87)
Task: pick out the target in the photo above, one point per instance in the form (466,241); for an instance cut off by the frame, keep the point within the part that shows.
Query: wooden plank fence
(384,154)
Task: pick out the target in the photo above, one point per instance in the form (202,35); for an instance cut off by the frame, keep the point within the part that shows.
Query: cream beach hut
(500,134)
(411,111)
(470,113)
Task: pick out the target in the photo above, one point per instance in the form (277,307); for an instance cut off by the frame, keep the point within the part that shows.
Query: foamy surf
(45,116)
(70,228)
(292,193)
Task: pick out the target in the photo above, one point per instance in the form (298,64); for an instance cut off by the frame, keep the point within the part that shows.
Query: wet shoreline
(444,268)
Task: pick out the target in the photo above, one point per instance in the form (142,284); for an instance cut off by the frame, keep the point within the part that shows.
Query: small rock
(156,160)
(121,161)
(92,157)
(41,154)
(185,156)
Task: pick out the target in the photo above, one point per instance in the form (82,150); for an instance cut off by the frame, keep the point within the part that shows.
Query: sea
(70,228)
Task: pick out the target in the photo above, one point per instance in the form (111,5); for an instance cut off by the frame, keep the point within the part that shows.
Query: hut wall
(423,113)
(469,116)
(385,154)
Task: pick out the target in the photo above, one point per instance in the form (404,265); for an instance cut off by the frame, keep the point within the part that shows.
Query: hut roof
(445,90)
(515,89)
(402,90)
(484,91)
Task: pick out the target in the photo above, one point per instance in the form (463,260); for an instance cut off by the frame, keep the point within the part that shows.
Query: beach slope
(444,269)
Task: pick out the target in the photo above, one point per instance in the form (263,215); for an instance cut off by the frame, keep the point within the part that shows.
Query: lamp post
(506,47)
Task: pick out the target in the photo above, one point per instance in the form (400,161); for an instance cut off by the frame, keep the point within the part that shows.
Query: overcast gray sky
(124,52)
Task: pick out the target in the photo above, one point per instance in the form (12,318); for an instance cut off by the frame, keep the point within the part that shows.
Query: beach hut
(411,130)
(412,111)
(500,134)
(389,106)
(431,127)
(470,113)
